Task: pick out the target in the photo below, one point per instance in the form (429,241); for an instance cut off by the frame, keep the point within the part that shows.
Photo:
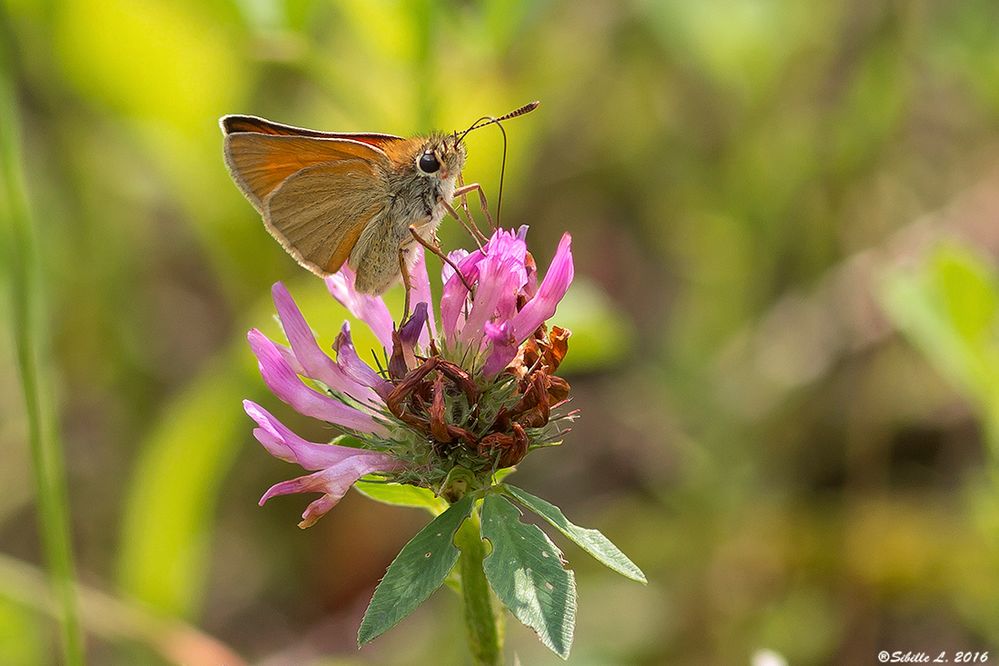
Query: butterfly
(361,199)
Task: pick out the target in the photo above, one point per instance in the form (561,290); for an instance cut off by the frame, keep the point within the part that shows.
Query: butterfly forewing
(259,163)
(319,212)
(233,124)
(334,197)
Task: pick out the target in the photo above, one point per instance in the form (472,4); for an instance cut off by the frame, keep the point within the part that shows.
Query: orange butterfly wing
(317,191)
(231,124)
(259,163)
(319,212)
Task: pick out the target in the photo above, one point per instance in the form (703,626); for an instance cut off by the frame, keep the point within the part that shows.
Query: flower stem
(46,454)
(484,634)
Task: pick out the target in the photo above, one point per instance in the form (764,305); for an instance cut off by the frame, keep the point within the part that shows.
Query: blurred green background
(786,229)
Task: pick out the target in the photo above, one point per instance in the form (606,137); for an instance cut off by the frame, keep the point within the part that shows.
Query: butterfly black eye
(428,163)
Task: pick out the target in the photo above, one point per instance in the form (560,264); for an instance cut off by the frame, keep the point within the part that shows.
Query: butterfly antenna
(489,120)
(499,196)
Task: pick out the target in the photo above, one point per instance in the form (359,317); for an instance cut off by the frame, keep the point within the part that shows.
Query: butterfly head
(441,156)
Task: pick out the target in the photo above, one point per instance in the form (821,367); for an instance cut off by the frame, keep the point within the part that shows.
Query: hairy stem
(484,634)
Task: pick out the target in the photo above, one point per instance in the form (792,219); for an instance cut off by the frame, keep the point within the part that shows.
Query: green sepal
(590,540)
(399,494)
(526,571)
(349,441)
(503,473)
(416,572)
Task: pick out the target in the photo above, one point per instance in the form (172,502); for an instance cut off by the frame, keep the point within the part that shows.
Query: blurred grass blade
(30,338)
(948,306)
(114,619)
(168,526)
(169,514)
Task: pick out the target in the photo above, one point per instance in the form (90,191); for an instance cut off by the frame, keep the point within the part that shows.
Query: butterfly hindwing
(319,212)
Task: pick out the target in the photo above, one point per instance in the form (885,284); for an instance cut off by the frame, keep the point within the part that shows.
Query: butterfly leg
(440,254)
(483,202)
(472,230)
(405,282)
(470,226)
